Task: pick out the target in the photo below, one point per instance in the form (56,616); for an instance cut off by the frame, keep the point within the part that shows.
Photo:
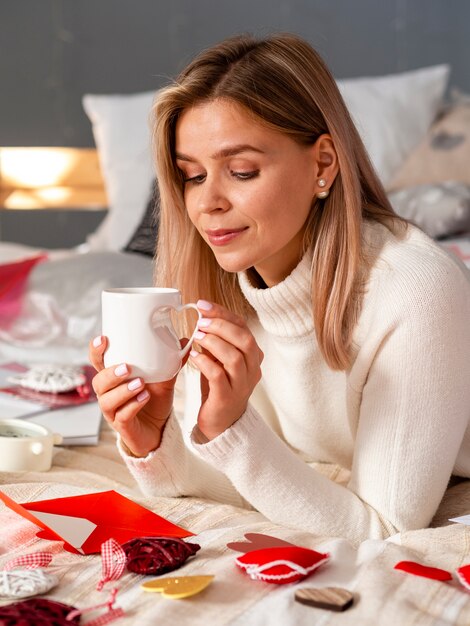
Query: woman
(332,356)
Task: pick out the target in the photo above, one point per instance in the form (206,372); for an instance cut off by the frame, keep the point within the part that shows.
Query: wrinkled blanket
(382,595)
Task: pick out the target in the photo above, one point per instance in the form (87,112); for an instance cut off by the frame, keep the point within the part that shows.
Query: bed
(425,168)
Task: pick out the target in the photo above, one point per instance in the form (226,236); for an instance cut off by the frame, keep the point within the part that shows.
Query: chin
(231,265)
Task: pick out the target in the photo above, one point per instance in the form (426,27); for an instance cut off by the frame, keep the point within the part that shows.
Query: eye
(245,175)
(195,180)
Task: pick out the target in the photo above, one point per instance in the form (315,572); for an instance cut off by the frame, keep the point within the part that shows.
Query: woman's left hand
(230,366)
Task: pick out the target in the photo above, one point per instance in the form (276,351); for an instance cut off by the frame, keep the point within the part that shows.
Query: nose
(212,196)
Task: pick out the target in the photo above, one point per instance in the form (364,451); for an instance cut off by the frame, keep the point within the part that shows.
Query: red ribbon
(113,562)
(108,617)
(29,561)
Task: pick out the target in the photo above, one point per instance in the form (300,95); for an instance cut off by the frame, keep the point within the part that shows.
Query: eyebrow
(224,152)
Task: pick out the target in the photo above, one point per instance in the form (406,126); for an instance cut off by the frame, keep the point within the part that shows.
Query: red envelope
(84,522)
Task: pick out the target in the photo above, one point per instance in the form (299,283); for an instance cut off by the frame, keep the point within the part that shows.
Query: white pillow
(122,135)
(392,113)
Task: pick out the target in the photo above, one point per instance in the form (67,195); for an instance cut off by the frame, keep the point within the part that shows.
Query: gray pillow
(440,209)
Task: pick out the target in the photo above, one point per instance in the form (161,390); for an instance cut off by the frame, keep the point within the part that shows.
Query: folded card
(84,522)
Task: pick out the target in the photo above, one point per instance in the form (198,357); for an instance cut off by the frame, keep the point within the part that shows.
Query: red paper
(423,570)
(463,574)
(115,517)
(13,280)
(281,565)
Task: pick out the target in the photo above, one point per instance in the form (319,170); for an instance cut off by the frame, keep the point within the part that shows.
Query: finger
(128,411)
(212,371)
(238,336)
(96,349)
(110,377)
(233,360)
(112,402)
(211,310)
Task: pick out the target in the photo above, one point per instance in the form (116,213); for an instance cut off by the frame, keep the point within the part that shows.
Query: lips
(224,236)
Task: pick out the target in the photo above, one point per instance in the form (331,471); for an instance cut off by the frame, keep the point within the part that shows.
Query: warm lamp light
(34,167)
(33,178)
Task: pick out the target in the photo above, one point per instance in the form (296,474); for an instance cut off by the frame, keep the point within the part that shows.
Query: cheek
(283,204)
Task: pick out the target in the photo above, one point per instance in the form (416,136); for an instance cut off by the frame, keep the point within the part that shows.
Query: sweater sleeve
(174,470)
(414,407)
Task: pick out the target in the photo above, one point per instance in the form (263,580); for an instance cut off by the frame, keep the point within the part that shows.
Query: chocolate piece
(157,555)
(37,611)
(329,598)
(258,541)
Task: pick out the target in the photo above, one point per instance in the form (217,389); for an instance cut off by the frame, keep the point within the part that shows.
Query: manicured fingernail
(134,384)
(143,395)
(97,341)
(121,370)
(199,335)
(204,305)
(194,353)
(204,322)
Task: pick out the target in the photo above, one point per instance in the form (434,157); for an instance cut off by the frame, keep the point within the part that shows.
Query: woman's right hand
(137,411)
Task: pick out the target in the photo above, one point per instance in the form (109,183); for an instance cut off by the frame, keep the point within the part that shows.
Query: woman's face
(248,189)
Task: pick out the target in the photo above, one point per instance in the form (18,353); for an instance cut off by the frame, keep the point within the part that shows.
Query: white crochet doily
(51,378)
(23,583)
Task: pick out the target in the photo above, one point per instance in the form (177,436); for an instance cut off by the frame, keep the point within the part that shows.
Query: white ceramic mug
(25,446)
(138,326)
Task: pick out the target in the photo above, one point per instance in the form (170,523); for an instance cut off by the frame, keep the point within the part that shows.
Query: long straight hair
(285,85)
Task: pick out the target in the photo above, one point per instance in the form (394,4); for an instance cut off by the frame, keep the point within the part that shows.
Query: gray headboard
(54,51)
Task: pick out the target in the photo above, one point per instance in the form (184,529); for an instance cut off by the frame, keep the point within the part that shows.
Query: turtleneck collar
(285,309)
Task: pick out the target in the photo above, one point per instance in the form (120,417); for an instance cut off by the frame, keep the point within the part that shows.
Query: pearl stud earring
(325,193)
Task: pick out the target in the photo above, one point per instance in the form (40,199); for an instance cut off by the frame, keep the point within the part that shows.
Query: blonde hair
(284,83)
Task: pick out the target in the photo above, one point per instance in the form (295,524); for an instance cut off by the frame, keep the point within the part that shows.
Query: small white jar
(25,446)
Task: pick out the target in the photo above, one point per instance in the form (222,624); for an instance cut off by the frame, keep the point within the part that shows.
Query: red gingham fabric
(113,562)
(29,561)
(106,618)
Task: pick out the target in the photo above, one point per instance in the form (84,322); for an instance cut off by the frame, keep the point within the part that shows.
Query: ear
(326,162)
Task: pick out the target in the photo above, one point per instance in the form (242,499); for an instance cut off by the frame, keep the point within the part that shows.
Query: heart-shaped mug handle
(181,307)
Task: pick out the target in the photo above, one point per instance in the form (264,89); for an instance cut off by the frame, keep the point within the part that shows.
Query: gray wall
(54,51)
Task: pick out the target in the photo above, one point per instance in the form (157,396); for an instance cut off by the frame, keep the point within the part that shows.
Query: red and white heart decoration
(463,575)
(281,565)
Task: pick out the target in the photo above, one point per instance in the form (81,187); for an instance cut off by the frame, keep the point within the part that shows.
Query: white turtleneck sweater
(396,422)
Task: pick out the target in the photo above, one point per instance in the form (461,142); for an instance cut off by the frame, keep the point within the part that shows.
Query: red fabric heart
(281,565)
(423,570)
(463,574)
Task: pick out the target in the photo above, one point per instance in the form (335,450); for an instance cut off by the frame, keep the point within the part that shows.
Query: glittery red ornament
(157,555)
(37,611)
